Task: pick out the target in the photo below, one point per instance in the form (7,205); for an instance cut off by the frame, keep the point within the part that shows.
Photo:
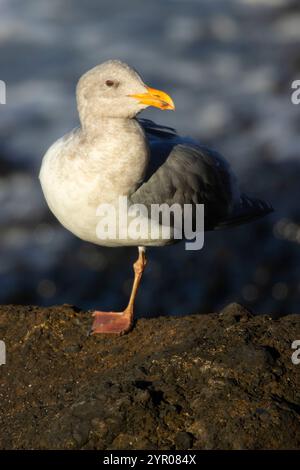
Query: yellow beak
(156,98)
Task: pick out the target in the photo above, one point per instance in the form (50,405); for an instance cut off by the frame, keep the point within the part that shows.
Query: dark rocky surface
(217,381)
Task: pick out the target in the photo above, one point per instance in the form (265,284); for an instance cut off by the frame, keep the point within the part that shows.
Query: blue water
(229,66)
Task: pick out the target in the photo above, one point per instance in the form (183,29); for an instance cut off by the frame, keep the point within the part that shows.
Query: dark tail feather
(246,211)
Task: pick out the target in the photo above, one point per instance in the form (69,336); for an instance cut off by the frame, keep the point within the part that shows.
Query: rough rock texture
(202,382)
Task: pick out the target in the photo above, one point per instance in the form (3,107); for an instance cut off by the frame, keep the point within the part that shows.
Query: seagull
(114,154)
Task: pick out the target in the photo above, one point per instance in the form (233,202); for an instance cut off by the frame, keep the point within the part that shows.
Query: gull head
(115,90)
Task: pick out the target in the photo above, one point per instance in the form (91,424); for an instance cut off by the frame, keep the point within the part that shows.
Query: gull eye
(110,83)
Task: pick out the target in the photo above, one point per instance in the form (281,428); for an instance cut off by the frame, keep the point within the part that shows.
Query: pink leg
(121,322)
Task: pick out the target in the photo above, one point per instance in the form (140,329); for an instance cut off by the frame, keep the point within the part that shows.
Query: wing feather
(185,172)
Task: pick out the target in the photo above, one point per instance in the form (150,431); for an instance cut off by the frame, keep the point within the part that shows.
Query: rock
(234,313)
(214,381)
(184,440)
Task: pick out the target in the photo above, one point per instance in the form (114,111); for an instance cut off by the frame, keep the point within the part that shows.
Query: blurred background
(229,65)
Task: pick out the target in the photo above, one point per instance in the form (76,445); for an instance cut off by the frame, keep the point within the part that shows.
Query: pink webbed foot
(117,323)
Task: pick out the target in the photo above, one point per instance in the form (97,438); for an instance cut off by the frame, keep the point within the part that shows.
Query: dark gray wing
(185,172)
